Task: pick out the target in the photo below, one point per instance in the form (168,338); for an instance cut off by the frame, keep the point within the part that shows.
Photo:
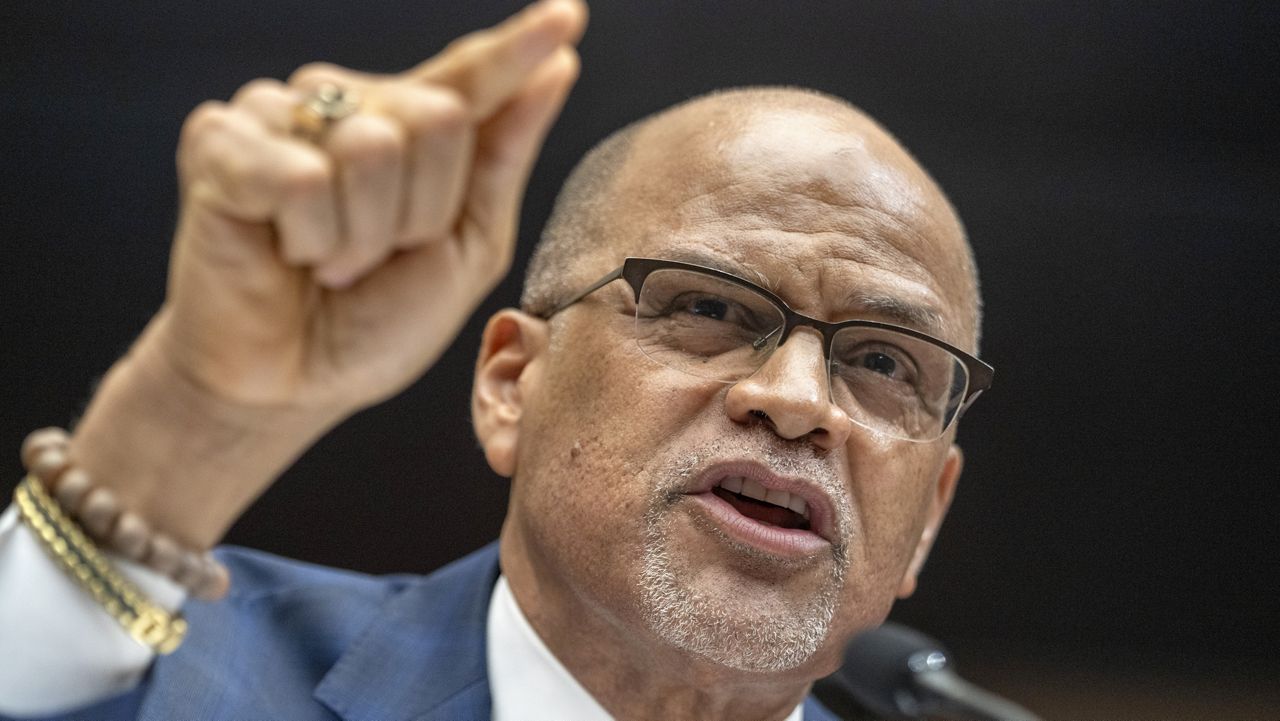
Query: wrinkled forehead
(824,174)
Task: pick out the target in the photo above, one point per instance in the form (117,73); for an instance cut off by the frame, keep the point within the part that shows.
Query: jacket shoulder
(281,629)
(258,575)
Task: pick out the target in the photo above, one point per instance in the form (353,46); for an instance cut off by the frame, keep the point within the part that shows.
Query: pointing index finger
(488,67)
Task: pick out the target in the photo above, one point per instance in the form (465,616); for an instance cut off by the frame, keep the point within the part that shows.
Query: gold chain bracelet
(148,623)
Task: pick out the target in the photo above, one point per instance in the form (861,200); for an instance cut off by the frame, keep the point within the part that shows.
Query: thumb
(506,148)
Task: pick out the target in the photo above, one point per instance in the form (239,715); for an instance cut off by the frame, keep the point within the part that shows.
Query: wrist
(186,460)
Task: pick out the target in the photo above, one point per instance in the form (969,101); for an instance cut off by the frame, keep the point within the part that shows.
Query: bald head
(796,155)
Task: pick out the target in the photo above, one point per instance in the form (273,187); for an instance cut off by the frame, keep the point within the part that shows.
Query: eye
(876,360)
(892,375)
(880,363)
(701,307)
(714,308)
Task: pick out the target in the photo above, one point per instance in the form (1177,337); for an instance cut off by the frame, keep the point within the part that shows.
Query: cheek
(601,414)
(892,494)
(602,396)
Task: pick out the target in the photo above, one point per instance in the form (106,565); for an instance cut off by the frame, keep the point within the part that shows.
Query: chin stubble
(701,622)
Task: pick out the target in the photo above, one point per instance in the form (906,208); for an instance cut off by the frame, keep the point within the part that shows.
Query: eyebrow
(899,311)
(723,264)
(888,308)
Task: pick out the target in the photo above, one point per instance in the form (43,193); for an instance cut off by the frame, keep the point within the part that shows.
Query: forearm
(187,462)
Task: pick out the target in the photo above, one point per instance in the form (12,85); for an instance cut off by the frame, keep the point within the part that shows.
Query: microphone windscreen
(877,679)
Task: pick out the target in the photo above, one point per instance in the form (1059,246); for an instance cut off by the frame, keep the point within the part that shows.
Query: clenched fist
(315,276)
(334,272)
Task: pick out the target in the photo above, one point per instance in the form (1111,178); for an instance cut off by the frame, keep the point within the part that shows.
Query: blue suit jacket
(297,642)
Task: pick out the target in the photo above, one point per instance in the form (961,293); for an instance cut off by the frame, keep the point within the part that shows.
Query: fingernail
(334,279)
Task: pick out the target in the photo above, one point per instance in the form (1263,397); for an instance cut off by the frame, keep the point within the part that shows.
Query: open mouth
(786,518)
(768,506)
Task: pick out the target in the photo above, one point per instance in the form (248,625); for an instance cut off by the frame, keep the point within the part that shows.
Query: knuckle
(466,46)
(258,88)
(316,73)
(368,141)
(433,110)
(443,110)
(242,176)
(306,175)
(208,117)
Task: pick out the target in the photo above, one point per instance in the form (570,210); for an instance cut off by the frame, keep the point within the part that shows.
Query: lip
(785,542)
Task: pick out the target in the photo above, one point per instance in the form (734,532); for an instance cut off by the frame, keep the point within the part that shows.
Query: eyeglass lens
(713,328)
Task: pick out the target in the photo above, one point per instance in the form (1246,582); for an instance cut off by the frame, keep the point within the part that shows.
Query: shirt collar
(526,680)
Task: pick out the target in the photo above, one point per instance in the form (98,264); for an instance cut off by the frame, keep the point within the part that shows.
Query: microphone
(897,672)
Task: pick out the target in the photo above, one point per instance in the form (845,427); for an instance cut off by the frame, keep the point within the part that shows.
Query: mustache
(781,456)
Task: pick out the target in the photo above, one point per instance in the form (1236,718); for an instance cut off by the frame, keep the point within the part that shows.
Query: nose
(790,392)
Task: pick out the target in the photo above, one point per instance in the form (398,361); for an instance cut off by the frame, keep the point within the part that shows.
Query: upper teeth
(753,489)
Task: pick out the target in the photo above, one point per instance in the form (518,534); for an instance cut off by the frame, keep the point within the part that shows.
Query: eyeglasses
(714,325)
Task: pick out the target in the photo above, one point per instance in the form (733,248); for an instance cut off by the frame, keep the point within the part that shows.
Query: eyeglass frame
(636,270)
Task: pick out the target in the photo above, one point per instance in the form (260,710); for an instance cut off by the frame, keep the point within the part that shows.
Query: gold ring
(321,108)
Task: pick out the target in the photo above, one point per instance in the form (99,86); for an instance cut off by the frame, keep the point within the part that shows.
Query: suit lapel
(423,659)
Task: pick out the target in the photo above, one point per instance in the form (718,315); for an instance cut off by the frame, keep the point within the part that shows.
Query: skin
(312,279)
(815,201)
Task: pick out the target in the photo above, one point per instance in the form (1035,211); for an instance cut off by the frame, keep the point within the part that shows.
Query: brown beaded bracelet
(46,454)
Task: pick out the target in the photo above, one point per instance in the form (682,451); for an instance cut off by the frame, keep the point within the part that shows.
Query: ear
(512,341)
(938,505)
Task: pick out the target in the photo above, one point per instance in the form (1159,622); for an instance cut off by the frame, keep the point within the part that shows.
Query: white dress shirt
(527,682)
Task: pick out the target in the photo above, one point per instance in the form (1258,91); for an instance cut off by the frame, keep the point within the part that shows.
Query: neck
(632,674)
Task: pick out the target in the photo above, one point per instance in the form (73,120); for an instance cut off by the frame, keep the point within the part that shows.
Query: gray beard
(712,627)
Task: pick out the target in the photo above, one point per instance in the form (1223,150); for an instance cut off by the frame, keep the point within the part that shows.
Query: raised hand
(334,272)
(314,276)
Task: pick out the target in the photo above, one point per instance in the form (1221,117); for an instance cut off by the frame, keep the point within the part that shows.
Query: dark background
(1114,537)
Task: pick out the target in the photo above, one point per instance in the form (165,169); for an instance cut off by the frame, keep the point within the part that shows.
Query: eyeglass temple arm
(982,375)
(967,402)
(616,274)
(759,343)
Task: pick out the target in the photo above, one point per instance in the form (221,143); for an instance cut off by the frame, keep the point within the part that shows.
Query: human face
(616,498)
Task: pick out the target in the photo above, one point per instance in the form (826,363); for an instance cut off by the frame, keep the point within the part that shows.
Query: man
(716,479)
